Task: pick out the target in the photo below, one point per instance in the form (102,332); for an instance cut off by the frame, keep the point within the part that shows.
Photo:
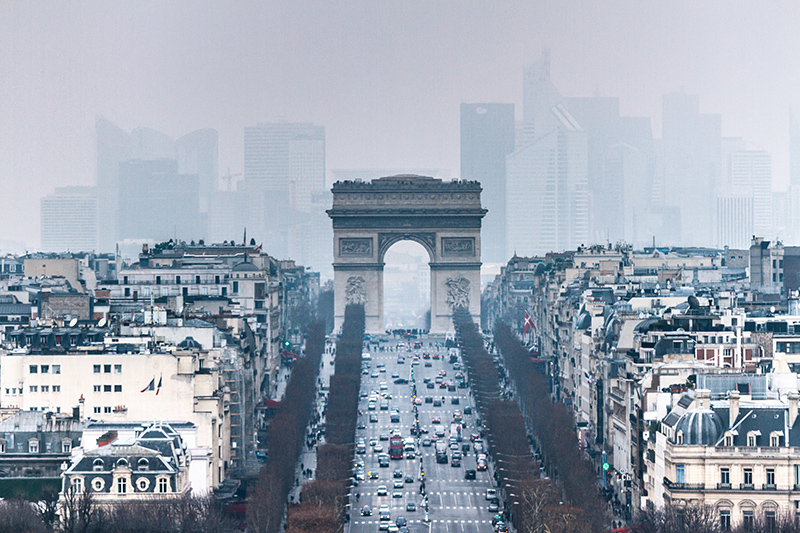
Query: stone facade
(444,217)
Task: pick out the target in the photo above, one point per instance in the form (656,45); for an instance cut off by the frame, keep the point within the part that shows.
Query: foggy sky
(385,78)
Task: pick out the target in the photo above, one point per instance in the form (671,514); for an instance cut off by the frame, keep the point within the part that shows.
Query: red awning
(271,404)
(289,355)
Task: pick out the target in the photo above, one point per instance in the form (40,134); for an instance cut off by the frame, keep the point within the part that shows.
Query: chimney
(793,396)
(704,398)
(733,414)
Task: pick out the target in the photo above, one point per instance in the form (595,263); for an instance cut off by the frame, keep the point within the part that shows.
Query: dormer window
(122,462)
(97,465)
(752,438)
(143,464)
(2,446)
(775,439)
(33,446)
(66,446)
(728,440)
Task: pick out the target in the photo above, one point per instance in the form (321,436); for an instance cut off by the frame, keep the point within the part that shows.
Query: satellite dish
(102,323)
(73,322)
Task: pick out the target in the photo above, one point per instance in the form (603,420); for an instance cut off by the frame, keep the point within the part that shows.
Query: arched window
(163,484)
(77,484)
(143,464)
(122,462)
(679,437)
(97,465)
(122,485)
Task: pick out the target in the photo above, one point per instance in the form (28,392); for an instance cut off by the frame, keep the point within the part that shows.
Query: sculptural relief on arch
(444,217)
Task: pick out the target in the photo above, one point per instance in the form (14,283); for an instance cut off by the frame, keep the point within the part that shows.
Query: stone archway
(444,217)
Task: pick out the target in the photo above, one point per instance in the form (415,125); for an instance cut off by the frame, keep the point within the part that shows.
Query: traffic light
(286,343)
(606,466)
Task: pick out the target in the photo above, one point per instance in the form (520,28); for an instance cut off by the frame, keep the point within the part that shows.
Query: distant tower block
(444,217)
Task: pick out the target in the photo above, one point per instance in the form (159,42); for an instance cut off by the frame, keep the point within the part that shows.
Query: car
(436,356)
(366,511)
(428,399)
(374,474)
(395,375)
(451,387)
(469,474)
(401,381)
(393,528)
(465,448)
(455,462)
(374,374)
(467,410)
(382,490)
(401,360)
(428,364)
(364,394)
(454,400)
(411,507)
(491,493)
(383,462)
(383,385)
(397,494)
(373,418)
(494,507)
(456,365)
(409,479)
(417,401)
(426,442)
(383,436)
(454,447)
(501,528)
(443,385)
(398,474)
(384,405)
(439,379)
(482,465)
(401,521)
(365,371)
(359,462)
(362,425)
(437,402)
(442,372)
(383,526)
(359,475)
(436,420)
(371,406)
(429,385)
(426,355)
(474,437)
(382,369)
(398,484)
(378,448)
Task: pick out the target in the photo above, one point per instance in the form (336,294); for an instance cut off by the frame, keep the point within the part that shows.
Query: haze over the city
(385,79)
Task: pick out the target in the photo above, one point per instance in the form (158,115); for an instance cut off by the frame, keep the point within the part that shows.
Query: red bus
(396,447)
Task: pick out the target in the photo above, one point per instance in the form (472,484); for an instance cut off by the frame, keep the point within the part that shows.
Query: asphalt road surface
(455,504)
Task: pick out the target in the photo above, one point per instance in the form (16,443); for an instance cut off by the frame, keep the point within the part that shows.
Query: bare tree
(79,513)
(20,516)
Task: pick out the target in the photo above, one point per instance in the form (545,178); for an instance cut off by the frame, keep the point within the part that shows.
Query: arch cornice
(425,238)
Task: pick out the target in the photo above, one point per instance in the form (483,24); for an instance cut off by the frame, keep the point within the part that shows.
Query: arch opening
(406,286)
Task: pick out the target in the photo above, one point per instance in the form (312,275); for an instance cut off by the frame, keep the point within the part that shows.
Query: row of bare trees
(554,427)
(324,498)
(285,438)
(82,514)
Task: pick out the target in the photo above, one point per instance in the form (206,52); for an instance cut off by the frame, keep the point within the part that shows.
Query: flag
(150,386)
(159,385)
(588,377)
(528,323)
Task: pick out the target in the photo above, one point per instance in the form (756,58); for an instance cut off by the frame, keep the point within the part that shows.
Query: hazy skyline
(385,79)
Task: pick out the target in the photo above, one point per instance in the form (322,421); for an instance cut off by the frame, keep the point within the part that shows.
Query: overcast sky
(385,78)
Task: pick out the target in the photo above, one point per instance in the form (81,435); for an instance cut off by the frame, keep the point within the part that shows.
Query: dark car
(411,507)
(401,521)
(409,479)
(398,474)
(455,462)
(454,400)
(362,425)
(366,511)
(428,399)
(469,474)
(401,381)
(429,385)
(467,410)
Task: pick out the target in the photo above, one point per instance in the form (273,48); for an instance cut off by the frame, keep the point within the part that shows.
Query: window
(769,519)
(127,291)
(96,369)
(2,446)
(45,388)
(142,484)
(118,369)
(97,410)
(216,280)
(34,388)
(107,369)
(728,440)
(66,446)
(33,369)
(177,280)
(77,484)
(224,291)
(771,476)
(97,388)
(124,280)
(197,279)
(679,437)
(98,484)
(163,484)
(158,280)
(725,519)
(748,476)
(235,286)
(45,369)
(725,476)
(33,446)
(774,440)
(106,409)
(747,519)
(143,464)
(751,440)
(117,388)
(106,388)
(56,369)
(679,474)
(56,388)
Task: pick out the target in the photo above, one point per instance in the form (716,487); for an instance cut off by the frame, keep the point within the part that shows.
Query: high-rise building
(734,220)
(114,145)
(751,172)
(691,157)
(284,167)
(487,137)
(794,152)
(156,202)
(547,195)
(198,153)
(69,220)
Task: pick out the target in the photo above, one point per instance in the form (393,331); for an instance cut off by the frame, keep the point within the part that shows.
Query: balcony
(723,486)
(769,486)
(683,486)
(745,486)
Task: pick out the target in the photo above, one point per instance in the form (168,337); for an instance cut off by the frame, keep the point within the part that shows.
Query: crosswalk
(432,520)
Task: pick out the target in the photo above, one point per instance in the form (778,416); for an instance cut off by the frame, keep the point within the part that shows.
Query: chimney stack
(793,396)
(704,398)
(733,414)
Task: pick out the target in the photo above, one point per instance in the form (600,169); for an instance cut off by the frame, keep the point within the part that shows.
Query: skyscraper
(156,202)
(69,220)
(751,173)
(691,157)
(487,137)
(114,145)
(197,153)
(284,167)
(794,152)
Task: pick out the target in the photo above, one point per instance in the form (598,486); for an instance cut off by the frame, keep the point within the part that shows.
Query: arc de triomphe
(444,217)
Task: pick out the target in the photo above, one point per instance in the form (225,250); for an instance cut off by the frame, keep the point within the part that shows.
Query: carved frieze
(457,292)
(355,292)
(355,247)
(458,246)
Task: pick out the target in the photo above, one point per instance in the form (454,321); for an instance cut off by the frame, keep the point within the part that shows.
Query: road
(456,504)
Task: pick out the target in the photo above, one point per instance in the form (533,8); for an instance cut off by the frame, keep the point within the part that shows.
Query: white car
(490,493)
(383,491)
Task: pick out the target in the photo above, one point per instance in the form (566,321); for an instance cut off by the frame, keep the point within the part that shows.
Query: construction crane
(228,177)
